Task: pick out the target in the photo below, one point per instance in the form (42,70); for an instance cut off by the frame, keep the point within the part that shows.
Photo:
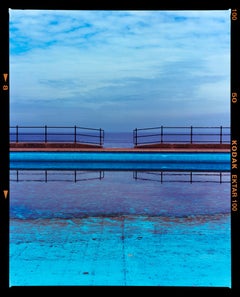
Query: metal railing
(183,177)
(73,134)
(26,175)
(164,134)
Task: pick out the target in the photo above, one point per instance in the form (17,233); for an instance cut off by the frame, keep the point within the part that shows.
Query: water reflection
(23,175)
(54,175)
(183,176)
(158,228)
(66,194)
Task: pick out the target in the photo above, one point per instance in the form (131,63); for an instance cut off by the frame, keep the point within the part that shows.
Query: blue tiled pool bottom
(121,251)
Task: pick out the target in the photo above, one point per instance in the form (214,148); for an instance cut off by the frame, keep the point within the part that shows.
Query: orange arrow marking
(5,192)
(5,76)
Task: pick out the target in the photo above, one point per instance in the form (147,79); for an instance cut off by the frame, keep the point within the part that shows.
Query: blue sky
(119,70)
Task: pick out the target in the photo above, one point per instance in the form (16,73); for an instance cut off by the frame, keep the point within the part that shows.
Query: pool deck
(78,147)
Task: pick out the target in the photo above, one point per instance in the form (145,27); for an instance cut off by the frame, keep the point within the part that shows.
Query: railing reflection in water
(22,175)
(183,176)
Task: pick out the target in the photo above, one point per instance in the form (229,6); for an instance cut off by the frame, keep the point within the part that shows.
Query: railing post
(17,133)
(45,134)
(135,141)
(75,176)
(75,134)
(100,134)
(135,175)
(220,134)
(191,135)
(161,134)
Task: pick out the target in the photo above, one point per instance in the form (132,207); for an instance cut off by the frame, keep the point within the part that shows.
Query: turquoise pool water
(120,160)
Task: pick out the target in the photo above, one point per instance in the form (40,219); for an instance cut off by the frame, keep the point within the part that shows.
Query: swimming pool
(120,160)
(122,227)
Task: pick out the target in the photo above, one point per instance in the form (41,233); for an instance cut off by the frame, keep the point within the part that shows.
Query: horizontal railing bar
(138,129)
(53,127)
(181,134)
(171,172)
(65,141)
(51,133)
(88,135)
(183,181)
(87,142)
(183,127)
(27,133)
(96,129)
(152,135)
(60,127)
(195,127)
(26,127)
(182,141)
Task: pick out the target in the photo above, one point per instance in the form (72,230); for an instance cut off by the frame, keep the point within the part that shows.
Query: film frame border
(235,111)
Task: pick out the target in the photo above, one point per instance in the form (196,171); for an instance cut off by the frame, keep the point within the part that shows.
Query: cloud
(120,62)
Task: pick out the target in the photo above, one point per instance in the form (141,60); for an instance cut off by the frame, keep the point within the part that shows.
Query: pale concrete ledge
(23,146)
